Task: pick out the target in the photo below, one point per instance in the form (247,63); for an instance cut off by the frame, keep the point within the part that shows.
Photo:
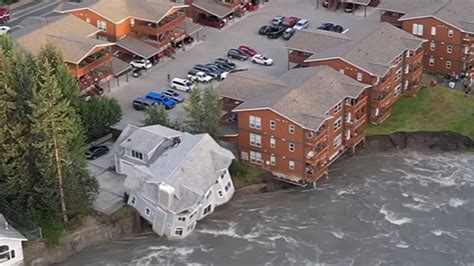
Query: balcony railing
(360,103)
(356,123)
(413,89)
(416,58)
(381,100)
(319,154)
(468,58)
(391,17)
(82,70)
(415,73)
(317,137)
(384,115)
(152,30)
(316,172)
(467,38)
(297,57)
(385,84)
(357,138)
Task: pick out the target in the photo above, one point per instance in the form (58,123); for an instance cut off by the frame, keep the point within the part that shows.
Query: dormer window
(137,155)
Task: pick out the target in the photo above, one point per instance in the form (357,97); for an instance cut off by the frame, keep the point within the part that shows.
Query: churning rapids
(401,208)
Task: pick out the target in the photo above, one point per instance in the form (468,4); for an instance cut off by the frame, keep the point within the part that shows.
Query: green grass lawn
(433,109)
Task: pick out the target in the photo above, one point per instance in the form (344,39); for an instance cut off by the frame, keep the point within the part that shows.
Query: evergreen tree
(98,115)
(157,115)
(203,111)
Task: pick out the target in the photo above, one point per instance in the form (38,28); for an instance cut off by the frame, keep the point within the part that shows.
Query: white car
(141,63)
(182,84)
(301,24)
(262,60)
(199,76)
(4,30)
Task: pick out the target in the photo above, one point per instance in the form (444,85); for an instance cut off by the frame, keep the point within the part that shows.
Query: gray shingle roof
(305,98)
(138,47)
(213,7)
(316,40)
(8,232)
(403,6)
(75,48)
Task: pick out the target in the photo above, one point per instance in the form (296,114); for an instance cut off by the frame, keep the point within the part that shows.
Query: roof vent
(129,139)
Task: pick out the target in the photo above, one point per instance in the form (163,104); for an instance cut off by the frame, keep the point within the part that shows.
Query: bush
(242,171)
(98,115)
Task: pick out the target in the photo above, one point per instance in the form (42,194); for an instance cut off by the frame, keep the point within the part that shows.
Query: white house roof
(8,232)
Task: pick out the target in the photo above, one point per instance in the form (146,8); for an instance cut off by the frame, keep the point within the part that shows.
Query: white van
(182,84)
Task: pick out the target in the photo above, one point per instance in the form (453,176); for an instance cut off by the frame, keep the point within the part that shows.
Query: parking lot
(217,42)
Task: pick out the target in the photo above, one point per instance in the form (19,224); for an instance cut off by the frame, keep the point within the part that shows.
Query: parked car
(211,22)
(251,6)
(141,63)
(161,99)
(222,68)
(290,21)
(188,40)
(264,29)
(349,8)
(4,30)
(222,73)
(301,24)
(137,72)
(182,84)
(275,34)
(326,26)
(262,60)
(199,76)
(96,151)
(225,62)
(237,54)
(338,28)
(288,33)
(4,15)
(142,103)
(172,94)
(326,3)
(247,50)
(214,73)
(278,20)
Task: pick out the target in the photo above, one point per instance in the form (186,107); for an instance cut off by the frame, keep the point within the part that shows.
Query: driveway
(217,42)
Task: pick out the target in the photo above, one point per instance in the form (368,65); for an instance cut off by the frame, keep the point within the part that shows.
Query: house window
(4,253)
(207,209)
(348,134)
(273,160)
(134,200)
(433,31)
(291,129)
(432,46)
(450,33)
(255,140)
(222,176)
(102,25)
(137,155)
(338,107)
(255,157)
(398,74)
(449,49)
(291,165)
(417,29)
(291,146)
(244,156)
(272,124)
(255,122)
(181,218)
(227,186)
(431,61)
(192,215)
(208,194)
(12,252)
(147,211)
(448,64)
(272,142)
(178,231)
(359,76)
(220,194)
(398,89)
(337,140)
(338,123)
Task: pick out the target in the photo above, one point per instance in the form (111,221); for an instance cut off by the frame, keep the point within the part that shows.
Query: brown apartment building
(294,125)
(140,28)
(88,57)
(388,59)
(221,9)
(448,26)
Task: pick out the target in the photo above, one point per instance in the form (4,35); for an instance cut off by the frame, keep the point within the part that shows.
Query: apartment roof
(118,10)
(308,94)
(119,66)
(403,6)
(75,45)
(359,2)
(138,47)
(369,52)
(314,41)
(213,7)
(8,232)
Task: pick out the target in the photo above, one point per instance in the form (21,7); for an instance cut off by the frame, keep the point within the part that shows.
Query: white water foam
(230,231)
(456,202)
(393,217)
(402,244)
(439,232)
(418,207)
(337,234)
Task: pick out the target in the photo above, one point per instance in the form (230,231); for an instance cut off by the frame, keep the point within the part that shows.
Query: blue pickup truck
(161,99)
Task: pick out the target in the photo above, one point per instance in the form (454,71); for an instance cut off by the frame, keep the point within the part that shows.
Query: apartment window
(341,71)
(448,64)
(244,156)
(291,146)
(398,74)
(147,211)
(338,107)
(405,86)
(449,49)
(407,69)
(134,200)
(291,165)
(88,20)
(132,22)
(337,140)
(398,89)
(102,25)
(432,46)
(272,124)
(181,218)
(255,140)
(255,122)
(450,33)
(347,117)
(272,142)
(431,61)
(291,129)
(137,155)
(255,157)
(273,160)
(359,76)
(337,123)
(417,29)
(433,31)
(178,231)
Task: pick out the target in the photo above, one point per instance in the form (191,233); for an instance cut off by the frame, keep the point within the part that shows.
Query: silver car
(172,94)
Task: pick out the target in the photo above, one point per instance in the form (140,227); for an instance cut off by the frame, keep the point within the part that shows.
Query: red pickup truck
(4,15)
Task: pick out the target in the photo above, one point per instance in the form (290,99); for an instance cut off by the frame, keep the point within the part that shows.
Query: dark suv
(142,103)
(237,54)
(211,72)
(276,32)
(211,22)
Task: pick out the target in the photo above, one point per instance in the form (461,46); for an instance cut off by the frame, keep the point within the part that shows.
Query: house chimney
(6,225)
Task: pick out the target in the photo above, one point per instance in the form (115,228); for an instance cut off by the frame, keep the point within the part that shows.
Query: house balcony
(314,173)
(360,104)
(357,122)
(297,57)
(157,29)
(317,137)
(357,137)
(380,100)
(383,115)
(416,58)
(415,73)
(391,17)
(89,64)
(317,154)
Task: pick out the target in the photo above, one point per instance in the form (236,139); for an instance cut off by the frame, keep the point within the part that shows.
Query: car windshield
(188,83)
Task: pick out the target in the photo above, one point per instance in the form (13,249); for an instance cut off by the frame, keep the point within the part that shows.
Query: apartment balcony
(414,73)
(317,137)
(468,38)
(380,100)
(468,57)
(383,115)
(357,122)
(385,84)
(357,137)
(314,173)
(157,29)
(318,154)
(354,108)
(416,58)
(413,89)
(89,64)
(391,17)
(297,57)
